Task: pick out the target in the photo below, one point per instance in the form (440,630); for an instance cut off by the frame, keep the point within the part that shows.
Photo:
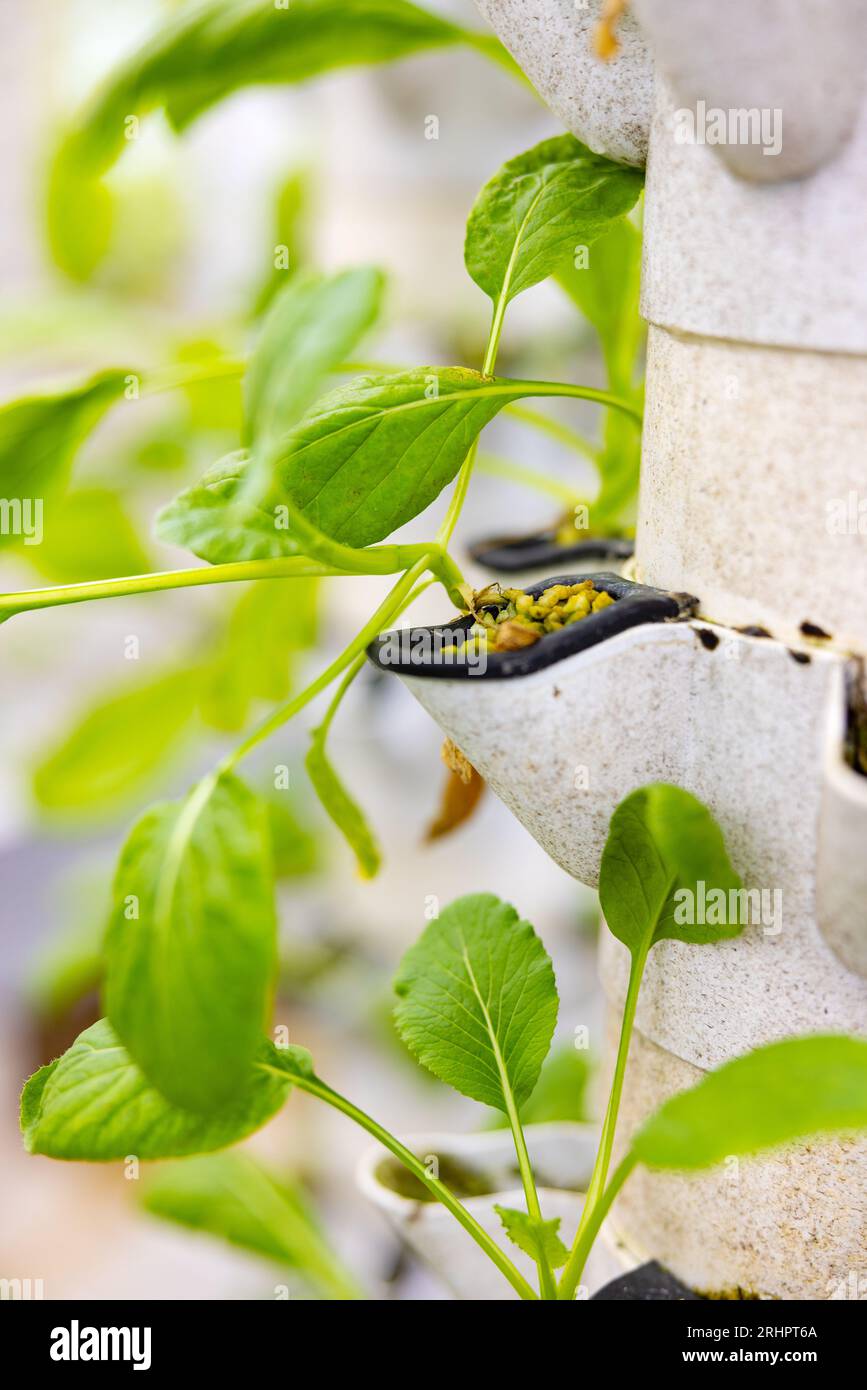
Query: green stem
(609,1124)
(459,495)
(568,390)
(556,430)
(385,559)
(512,472)
(578,1258)
(546,1278)
(317,1088)
(547,1282)
(385,613)
(175,378)
(58,594)
(520,388)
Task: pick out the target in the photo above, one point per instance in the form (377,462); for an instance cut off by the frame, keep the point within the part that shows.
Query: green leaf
(538,1239)
(560,1095)
(662,844)
(114,748)
(374,453)
(367,458)
(342,807)
(538,209)
(217,520)
(478,1002)
(230,1196)
(90,537)
(786,1091)
(94,1103)
(204,55)
(39,436)
(79,217)
(270,625)
(313,324)
(294,841)
(191,946)
(606,292)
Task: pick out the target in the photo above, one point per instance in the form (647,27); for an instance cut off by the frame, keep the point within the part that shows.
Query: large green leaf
(342,807)
(312,325)
(478,1002)
(213,49)
(191,946)
(111,752)
(366,459)
(374,453)
(538,209)
(39,436)
(94,1103)
(785,1091)
(231,1196)
(662,842)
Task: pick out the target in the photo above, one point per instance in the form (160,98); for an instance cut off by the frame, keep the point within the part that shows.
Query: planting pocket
(539,549)
(451,651)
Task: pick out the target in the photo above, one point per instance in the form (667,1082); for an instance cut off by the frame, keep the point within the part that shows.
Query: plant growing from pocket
(181,1064)
(476,1004)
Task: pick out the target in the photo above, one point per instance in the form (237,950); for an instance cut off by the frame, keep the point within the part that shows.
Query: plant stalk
(390,606)
(386,559)
(596,1185)
(315,1087)
(578,1258)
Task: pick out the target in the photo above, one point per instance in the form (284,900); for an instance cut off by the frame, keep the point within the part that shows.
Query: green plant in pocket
(324,482)
(477,1005)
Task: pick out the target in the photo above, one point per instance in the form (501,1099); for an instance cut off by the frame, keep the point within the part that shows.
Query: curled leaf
(342,807)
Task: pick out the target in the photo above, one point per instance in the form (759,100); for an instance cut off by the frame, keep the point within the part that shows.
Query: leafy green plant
(324,479)
(477,1005)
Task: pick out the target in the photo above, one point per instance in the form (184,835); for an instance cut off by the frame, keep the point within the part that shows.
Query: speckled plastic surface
(790,1224)
(741,724)
(607,105)
(751,460)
